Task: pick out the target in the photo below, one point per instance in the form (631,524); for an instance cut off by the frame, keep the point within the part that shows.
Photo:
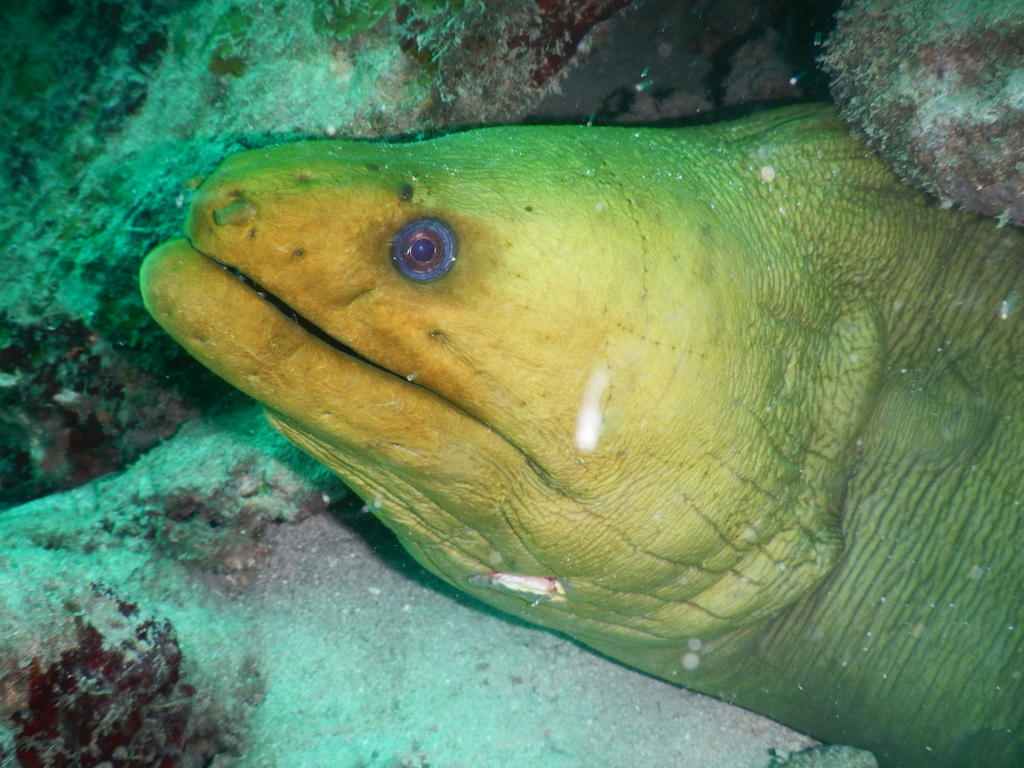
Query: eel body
(727,403)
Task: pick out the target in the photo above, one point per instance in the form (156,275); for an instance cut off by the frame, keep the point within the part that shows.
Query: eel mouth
(304,323)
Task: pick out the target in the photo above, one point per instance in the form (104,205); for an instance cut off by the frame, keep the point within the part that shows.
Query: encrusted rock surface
(937,89)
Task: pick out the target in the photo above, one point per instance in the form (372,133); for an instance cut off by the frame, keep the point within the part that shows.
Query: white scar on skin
(589,418)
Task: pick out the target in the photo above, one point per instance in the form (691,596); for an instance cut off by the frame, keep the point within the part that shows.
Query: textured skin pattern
(799,485)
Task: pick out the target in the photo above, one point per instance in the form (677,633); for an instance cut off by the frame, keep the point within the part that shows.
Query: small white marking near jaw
(540,587)
(589,419)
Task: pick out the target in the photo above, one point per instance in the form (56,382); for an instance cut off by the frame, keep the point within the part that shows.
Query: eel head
(552,374)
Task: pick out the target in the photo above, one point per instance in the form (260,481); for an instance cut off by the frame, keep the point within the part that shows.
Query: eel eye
(424,250)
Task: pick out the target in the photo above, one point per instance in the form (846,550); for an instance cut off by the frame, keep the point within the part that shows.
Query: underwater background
(181,587)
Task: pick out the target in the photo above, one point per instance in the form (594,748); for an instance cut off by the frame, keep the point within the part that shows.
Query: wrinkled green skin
(806,494)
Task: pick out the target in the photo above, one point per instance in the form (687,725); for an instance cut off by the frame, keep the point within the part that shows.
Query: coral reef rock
(937,89)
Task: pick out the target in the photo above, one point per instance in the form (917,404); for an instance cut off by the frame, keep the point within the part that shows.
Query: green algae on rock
(729,404)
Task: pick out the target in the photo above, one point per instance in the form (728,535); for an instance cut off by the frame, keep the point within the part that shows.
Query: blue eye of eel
(424,249)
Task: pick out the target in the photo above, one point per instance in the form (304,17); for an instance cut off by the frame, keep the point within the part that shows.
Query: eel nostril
(239,212)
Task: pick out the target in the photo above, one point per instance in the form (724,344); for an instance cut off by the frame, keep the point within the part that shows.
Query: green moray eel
(728,403)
